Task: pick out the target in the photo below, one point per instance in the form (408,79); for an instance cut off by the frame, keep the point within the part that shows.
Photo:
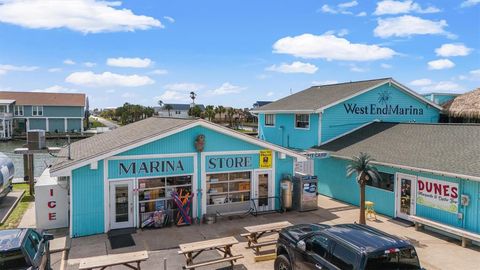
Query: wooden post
(31,173)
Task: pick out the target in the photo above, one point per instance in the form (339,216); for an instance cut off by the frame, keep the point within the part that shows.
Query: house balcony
(6,116)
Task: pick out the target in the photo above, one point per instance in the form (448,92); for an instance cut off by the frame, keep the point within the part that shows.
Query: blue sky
(233,52)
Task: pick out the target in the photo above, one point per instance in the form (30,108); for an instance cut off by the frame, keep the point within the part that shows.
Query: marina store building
(129,176)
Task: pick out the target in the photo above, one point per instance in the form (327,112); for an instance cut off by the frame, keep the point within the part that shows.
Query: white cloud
(330,47)
(170,19)
(407,25)
(295,67)
(69,62)
(2,71)
(447,50)
(421,82)
(470,3)
(440,64)
(385,66)
(443,86)
(475,72)
(355,68)
(342,32)
(226,88)
(270,94)
(110,91)
(341,8)
(362,14)
(159,72)
(399,7)
(473,75)
(169,96)
(54,69)
(107,79)
(86,16)
(129,62)
(128,95)
(327,82)
(17,68)
(56,89)
(183,86)
(89,64)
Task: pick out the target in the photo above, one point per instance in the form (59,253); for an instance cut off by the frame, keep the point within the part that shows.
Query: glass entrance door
(261,186)
(405,195)
(121,205)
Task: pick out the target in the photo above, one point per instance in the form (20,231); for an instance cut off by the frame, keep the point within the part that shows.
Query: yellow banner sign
(265,159)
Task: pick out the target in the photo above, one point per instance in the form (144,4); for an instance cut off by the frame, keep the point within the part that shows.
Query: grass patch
(14,219)
(95,123)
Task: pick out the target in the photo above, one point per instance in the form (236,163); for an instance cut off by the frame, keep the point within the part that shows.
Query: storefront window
(156,206)
(385,182)
(225,189)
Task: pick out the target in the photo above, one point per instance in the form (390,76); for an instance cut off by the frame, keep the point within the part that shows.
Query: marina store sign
(382,108)
(150,167)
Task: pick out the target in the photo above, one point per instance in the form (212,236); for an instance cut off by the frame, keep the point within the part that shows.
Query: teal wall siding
(183,142)
(87,201)
(74,124)
(37,123)
(63,111)
(285,134)
(333,182)
(56,111)
(143,167)
(336,121)
(56,124)
(221,163)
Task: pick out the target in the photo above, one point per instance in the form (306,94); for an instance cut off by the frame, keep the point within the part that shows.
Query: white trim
(202,123)
(106,198)
(15,110)
(229,153)
(413,195)
(283,111)
(152,156)
(350,131)
(417,169)
(70,229)
(131,211)
(38,110)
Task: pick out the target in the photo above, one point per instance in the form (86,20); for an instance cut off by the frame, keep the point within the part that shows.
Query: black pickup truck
(346,246)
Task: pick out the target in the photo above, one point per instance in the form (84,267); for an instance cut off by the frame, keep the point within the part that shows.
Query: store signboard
(149,167)
(265,161)
(223,163)
(437,194)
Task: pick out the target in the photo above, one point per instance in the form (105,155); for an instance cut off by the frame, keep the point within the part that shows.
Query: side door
(317,253)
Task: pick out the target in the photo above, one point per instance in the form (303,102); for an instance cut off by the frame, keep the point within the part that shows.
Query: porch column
(66,123)
(47,125)
(81,125)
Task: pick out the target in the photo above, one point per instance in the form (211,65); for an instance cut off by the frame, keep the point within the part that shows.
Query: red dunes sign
(437,194)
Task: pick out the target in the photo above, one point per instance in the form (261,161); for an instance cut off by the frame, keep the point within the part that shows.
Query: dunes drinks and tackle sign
(437,194)
(382,107)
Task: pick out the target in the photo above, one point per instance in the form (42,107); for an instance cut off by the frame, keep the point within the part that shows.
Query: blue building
(52,112)
(440,98)
(128,177)
(428,170)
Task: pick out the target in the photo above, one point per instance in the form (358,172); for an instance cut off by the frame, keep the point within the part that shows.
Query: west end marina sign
(387,109)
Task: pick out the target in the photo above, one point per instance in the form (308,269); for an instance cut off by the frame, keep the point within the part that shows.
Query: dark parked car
(24,249)
(346,246)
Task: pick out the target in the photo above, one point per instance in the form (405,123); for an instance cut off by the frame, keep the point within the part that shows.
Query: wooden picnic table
(105,261)
(257,231)
(223,245)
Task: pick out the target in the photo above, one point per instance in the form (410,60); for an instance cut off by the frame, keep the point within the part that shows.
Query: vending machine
(305,189)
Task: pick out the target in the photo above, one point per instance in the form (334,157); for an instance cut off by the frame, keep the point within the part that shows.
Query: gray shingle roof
(123,136)
(136,133)
(453,148)
(317,97)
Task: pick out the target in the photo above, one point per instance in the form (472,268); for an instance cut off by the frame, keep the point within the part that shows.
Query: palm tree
(365,171)
(221,110)
(230,113)
(168,107)
(210,112)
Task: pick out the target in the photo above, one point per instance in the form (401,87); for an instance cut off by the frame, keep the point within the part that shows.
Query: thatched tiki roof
(466,105)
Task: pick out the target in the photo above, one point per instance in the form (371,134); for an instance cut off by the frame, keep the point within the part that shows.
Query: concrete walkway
(28,219)
(435,251)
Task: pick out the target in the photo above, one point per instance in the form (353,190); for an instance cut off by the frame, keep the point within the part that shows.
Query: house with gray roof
(175,110)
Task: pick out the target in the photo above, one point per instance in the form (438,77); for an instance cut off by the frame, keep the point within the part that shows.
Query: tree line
(128,113)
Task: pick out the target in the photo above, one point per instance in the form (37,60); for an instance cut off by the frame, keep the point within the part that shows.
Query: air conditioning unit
(36,139)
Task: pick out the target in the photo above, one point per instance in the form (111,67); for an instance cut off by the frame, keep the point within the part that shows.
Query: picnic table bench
(224,245)
(105,261)
(465,235)
(257,231)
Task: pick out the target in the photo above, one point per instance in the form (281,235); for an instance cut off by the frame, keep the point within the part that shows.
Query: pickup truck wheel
(282,263)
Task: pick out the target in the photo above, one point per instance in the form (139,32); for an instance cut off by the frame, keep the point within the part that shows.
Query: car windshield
(403,259)
(13,260)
